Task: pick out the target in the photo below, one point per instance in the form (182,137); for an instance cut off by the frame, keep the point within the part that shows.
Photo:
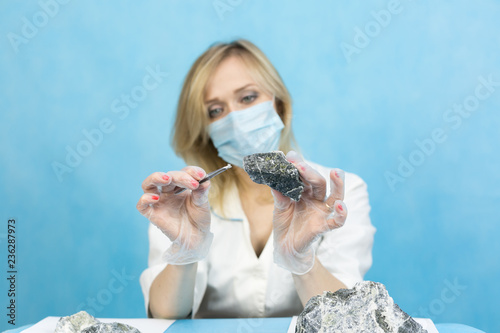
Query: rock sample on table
(273,170)
(365,308)
(82,322)
(75,323)
(110,328)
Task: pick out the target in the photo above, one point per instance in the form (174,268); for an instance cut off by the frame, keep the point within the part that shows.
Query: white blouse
(233,282)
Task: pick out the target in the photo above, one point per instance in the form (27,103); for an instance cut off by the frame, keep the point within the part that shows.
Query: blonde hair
(190,138)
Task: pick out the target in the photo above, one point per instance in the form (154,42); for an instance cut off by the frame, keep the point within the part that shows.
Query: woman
(230,247)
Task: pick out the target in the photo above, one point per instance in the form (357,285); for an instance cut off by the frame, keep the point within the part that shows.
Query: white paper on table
(48,325)
(425,322)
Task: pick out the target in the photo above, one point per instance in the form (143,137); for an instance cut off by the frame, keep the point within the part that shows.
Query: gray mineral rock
(82,322)
(110,328)
(75,323)
(365,308)
(273,170)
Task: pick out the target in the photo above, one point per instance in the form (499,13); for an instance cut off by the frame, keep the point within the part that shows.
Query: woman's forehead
(230,75)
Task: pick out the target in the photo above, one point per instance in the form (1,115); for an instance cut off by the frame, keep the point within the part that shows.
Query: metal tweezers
(208,177)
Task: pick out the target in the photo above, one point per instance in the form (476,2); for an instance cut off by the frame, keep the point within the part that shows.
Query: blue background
(437,226)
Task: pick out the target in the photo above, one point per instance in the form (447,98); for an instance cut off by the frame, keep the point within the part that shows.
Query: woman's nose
(231,106)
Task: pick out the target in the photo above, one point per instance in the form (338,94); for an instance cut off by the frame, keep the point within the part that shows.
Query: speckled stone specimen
(75,323)
(365,308)
(274,170)
(110,328)
(82,322)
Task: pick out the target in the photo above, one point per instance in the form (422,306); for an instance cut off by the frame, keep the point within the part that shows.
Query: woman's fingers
(312,178)
(180,179)
(200,195)
(281,202)
(145,202)
(161,182)
(187,178)
(337,186)
(337,217)
(282,214)
(294,157)
(155,180)
(196,172)
(166,182)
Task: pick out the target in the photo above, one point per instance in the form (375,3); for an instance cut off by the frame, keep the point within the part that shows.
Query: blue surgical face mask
(256,129)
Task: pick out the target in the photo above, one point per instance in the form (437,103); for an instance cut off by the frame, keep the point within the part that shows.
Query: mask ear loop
(273,103)
(275,107)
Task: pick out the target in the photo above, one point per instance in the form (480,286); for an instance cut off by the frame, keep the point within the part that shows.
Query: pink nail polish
(340,208)
(165,177)
(194,183)
(337,175)
(155,197)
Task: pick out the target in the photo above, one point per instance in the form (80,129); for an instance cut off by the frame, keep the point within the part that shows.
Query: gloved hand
(184,218)
(296,225)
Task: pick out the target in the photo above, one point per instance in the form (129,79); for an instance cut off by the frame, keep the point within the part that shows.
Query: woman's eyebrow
(235,91)
(244,87)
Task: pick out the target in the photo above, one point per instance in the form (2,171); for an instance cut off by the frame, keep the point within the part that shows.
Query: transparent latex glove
(296,225)
(184,218)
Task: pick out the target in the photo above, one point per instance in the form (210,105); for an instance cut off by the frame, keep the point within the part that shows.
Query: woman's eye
(249,98)
(214,113)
